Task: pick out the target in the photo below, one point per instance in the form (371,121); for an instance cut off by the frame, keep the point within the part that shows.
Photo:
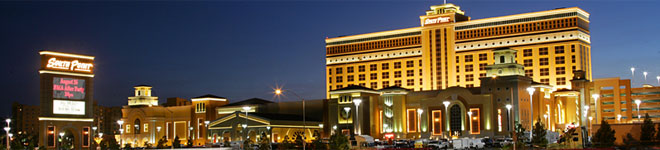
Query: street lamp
(638,102)
(158,132)
(618,117)
(586,110)
(446,103)
(632,70)
(596,96)
(7,128)
(121,132)
(61,137)
(470,119)
(419,119)
(531,90)
(645,73)
(658,77)
(508,116)
(246,109)
(357,102)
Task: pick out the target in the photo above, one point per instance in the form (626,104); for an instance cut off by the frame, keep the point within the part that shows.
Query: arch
(136,126)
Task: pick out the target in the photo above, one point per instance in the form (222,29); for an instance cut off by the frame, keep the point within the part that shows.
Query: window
(146,127)
(469,77)
(339,79)
(545,81)
(397,74)
(482,67)
(349,78)
(475,121)
(385,66)
(50,131)
(528,63)
(361,68)
(412,120)
(200,108)
(397,65)
(559,49)
(559,60)
(437,122)
(373,67)
(362,84)
(545,71)
(481,75)
(349,69)
(386,84)
(410,63)
(374,85)
(373,76)
(529,73)
(86,138)
(543,61)
(338,70)
(329,71)
(560,70)
(469,68)
(386,75)
(329,79)
(468,58)
(543,51)
(338,87)
(397,82)
(573,58)
(361,77)
(561,81)
(410,82)
(483,57)
(410,73)
(527,52)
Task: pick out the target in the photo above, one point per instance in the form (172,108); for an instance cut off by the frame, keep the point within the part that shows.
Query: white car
(438,144)
(463,143)
(478,143)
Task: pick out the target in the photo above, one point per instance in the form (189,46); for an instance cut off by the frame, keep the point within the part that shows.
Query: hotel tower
(451,49)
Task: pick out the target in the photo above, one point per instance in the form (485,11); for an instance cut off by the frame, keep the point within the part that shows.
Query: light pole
(645,73)
(419,119)
(206,131)
(470,120)
(246,109)
(586,110)
(596,96)
(618,118)
(658,77)
(135,132)
(158,133)
(531,90)
(545,118)
(61,137)
(94,131)
(172,120)
(638,102)
(632,70)
(279,92)
(7,128)
(357,102)
(446,103)
(121,132)
(189,132)
(508,116)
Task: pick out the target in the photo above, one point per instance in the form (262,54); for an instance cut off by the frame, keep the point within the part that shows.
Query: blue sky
(242,49)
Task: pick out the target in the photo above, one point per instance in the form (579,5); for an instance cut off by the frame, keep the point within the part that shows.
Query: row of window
(373,45)
(374,67)
(373,76)
(520,20)
(385,84)
(517,28)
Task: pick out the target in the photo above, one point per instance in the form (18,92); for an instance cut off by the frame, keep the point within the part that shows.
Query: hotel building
(450,49)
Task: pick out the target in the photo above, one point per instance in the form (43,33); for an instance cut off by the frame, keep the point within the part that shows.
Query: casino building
(451,49)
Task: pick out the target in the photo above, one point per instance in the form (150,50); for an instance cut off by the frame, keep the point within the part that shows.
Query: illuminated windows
(469,77)
(560,70)
(373,76)
(483,57)
(85,137)
(482,67)
(349,78)
(373,67)
(475,121)
(349,69)
(410,73)
(200,108)
(412,120)
(386,75)
(545,71)
(561,81)
(397,65)
(339,79)
(543,51)
(545,81)
(374,85)
(468,58)
(529,73)
(499,120)
(543,61)
(528,63)
(469,68)
(397,83)
(560,60)
(436,118)
(385,66)
(386,84)
(397,74)
(361,68)
(361,77)
(410,63)
(559,49)
(329,71)
(146,127)
(50,137)
(410,82)
(338,70)
(527,52)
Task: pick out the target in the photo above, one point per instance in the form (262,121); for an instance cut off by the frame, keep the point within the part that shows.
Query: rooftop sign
(436,20)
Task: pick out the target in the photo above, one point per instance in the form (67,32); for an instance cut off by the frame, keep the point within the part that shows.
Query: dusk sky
(241,50)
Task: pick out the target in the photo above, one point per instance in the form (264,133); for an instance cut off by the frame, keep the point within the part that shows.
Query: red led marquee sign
(68,88)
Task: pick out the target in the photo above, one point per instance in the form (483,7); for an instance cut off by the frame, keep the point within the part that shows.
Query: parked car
(438,144)
(488,142)
(463,143)
(477,143)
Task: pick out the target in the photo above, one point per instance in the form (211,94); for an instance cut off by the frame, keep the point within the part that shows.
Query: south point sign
(436,20)
(65,62)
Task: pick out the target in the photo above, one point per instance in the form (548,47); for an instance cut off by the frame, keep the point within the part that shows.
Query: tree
(338,142)
(147,145)
(299,138)
(539,132)
(630,141)
(520,135)
(647,131)
(286,143)
(176,142)
(247,143)
(657,134)
(264,142)
(189,144)
(604,137)
(109,142)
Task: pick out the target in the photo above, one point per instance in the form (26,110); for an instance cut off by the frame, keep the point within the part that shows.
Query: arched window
(455,119)
(501,59)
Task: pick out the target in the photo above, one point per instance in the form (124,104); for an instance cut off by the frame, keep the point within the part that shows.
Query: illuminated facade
(66,92)
(450,49)
(147,122)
